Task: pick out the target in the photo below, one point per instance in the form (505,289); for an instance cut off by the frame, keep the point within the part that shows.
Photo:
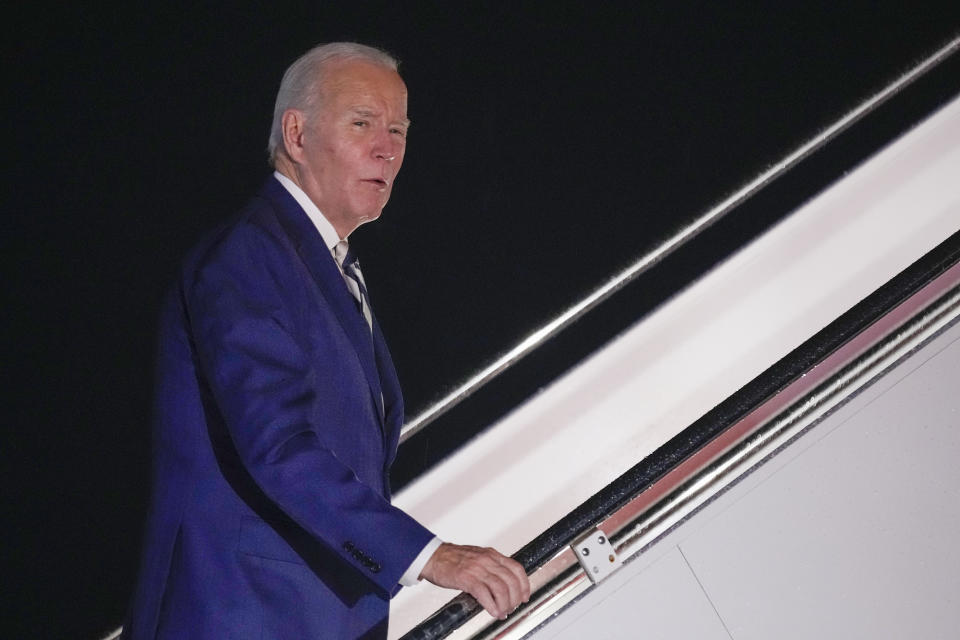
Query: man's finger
(485,598)
(513,584)
(502,592)
(523,582)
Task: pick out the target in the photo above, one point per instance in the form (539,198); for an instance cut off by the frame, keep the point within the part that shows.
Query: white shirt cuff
(411,576)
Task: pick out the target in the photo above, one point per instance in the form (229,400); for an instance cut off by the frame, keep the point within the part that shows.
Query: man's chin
(376,211)
(370,217)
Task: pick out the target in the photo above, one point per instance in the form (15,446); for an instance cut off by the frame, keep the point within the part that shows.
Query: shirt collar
(327,232)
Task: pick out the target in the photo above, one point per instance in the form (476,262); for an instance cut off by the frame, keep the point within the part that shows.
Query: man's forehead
(360,83)
(350,72)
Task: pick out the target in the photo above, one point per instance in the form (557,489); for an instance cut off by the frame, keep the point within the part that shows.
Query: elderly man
(277,407)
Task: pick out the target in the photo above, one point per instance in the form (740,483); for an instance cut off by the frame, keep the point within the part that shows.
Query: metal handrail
(677,240)
(643,521)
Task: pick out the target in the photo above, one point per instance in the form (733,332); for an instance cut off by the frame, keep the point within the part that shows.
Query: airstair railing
(660,492)
(670,245)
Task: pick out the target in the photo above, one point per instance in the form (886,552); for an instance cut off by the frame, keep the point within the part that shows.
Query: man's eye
(400,132)
(360,123)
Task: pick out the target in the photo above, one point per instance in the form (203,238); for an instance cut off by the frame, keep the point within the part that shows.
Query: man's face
(354,146)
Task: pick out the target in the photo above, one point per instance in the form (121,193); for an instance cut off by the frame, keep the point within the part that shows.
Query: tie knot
(345,255)
(353,278)
(350,260)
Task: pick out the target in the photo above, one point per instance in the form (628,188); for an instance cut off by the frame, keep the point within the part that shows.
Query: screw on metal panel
(585,551)
(601,539)
(596,570)
(611,557)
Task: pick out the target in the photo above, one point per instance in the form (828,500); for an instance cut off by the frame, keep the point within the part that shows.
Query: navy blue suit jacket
(276,422)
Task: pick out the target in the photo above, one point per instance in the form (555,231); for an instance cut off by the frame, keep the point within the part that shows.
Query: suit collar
(327,232)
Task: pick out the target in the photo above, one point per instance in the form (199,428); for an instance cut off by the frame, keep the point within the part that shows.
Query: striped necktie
(354,279)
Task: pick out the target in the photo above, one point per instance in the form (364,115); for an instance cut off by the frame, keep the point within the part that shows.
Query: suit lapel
(323,268)
(392,396)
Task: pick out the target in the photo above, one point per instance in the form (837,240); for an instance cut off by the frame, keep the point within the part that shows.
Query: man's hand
(497,582)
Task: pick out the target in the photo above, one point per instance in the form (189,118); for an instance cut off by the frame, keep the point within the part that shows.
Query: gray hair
(301,84)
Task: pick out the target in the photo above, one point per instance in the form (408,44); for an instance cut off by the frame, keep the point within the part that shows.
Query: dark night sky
(552,145)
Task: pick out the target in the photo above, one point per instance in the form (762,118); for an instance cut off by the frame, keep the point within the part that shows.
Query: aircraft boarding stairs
(771,453)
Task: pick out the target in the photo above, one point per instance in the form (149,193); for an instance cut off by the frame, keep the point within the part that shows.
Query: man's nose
(387,147)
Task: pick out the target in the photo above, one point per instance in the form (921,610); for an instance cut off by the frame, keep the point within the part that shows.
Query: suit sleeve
(242,305)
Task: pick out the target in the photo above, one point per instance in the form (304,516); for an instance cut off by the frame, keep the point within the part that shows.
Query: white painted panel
(555,451)
(658,602)
(855,537)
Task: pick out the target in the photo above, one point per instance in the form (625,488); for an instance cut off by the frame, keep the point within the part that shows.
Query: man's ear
(294,124)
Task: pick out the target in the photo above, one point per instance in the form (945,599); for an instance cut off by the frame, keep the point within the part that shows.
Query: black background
(552,145)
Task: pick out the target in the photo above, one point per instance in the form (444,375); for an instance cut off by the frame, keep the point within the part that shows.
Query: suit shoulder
(248,247)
